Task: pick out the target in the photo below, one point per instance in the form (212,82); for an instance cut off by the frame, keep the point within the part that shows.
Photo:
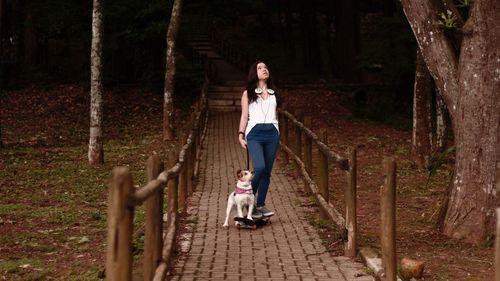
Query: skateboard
(245,223)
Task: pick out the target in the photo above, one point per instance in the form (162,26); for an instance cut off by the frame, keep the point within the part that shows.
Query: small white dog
(242,196)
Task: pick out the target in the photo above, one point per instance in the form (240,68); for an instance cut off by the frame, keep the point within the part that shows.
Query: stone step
(223,88)
(224,102)
(224,108)
(201,48)
(230,82)
(198,38)
(224,95)
(200,45)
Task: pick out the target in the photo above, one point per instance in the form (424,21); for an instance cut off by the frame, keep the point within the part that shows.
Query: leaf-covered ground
(53,204)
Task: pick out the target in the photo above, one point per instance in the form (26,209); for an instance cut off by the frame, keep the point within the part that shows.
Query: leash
(248,159)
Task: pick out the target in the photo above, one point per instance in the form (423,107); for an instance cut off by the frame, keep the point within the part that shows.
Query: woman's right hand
(243,143)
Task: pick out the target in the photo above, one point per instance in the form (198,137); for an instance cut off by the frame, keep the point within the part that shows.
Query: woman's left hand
(243,143)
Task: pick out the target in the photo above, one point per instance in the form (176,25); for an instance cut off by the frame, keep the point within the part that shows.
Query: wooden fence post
(191,156)
(308,147)
(497,248)
(497,237)
(323,168)
(172,191)
(323,172)
(284,128)
(153,232)
(298,138)
(120,227)
(183,178)
(307,152)
(350,204)
(388,219)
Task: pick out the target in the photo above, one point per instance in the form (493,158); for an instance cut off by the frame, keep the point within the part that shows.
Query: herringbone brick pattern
(288,248)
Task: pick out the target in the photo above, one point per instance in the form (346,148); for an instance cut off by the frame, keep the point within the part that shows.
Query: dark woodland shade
(253,80)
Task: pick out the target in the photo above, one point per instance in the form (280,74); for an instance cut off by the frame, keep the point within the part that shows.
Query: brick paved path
(287,249)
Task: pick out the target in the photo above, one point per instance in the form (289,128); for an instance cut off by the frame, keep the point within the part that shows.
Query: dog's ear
(239,174)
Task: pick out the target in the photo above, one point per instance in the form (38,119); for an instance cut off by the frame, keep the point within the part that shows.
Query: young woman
(258,131)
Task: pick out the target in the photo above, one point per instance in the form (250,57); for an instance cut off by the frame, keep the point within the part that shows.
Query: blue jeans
(262,144)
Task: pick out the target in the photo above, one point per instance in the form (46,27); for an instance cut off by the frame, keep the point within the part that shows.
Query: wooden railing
(303,155)
(182,168)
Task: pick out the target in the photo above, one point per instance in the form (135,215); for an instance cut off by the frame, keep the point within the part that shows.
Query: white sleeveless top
(262,111)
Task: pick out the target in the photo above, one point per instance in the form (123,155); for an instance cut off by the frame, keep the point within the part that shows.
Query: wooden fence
(302,152)
(122,199)
(303,155)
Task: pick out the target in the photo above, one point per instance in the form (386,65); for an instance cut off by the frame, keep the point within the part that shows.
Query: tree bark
(173,29)
(441,131)
(469,87)
(330,35)
(289,30)
(422,126)
(389,8)
(314,40)
(306,54)
(346,41)
(96,152)
(28,38)
(1,66)
(472,201)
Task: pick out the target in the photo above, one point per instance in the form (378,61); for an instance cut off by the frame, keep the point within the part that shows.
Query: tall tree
(96,151)
(422,124)
(310,38)
(469,84)
(289,30)
(29,42)
(173,29)
(2,7)
(442,125)
(346,40)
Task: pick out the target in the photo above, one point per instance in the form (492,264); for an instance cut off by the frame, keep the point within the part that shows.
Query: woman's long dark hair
(252,81)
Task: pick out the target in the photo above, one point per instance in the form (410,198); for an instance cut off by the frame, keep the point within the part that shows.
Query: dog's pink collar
(242,191)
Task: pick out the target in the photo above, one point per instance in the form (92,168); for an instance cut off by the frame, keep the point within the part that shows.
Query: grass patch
(23,269)
(91,274)
(8,209)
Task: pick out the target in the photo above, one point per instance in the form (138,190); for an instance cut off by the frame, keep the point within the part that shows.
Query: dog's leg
(251,204)
(230,204)
(239,207)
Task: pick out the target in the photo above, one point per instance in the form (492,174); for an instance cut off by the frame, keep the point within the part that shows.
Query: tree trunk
(306,59)
(173,29)
(314,40)
(389,7)
(469,87)
(471,210)
(329,35)
(441,131)
(346,42)
(289,30)
(422,126)
(28,38)
(2,66)
(96,153)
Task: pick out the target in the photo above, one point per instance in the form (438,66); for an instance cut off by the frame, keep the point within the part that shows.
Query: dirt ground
(53,205)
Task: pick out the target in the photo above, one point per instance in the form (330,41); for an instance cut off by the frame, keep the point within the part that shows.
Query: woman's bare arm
(243,119)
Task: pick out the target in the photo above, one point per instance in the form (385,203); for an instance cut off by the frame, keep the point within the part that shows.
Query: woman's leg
(269,149)
(255,150)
